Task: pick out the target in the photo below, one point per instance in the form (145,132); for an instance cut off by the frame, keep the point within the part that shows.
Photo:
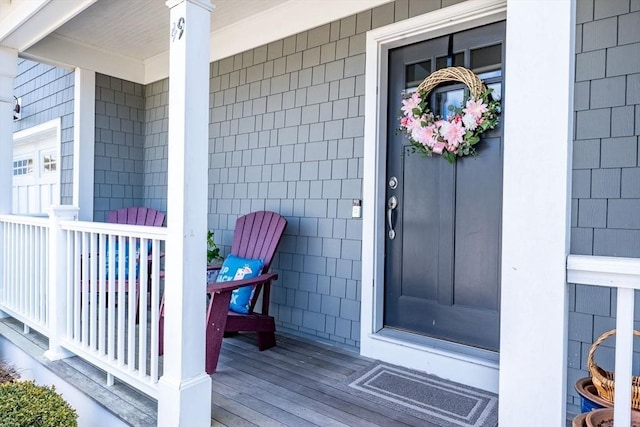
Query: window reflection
(486,59)
(416,73)
(458,61)
(497,90)
(49,162)
(447,101)
(22,167)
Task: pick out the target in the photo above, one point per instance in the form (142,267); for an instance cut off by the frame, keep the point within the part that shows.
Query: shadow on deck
(296,383)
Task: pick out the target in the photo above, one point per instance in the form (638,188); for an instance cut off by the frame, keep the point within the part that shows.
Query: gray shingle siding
(155,151)
(294,113)
(47,94)
(606,168)
(119,168)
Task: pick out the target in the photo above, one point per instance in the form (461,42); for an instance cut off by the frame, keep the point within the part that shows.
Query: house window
(458,61)
(49,162)
(416,73)
(22,167)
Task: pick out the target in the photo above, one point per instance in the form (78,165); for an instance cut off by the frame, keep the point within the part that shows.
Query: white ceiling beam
(16,14)
(28,22)
(61,51)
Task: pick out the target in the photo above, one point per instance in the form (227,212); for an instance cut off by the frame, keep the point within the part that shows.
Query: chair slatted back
(257,235)
(136,216)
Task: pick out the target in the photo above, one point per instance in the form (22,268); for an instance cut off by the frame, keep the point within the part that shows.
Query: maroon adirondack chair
(137,216)
(256,236)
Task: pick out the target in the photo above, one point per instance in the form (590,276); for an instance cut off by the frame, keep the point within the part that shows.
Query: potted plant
(213,252)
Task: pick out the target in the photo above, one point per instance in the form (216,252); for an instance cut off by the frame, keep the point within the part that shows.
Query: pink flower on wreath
(453,133)
(410,103)
(438,124)
(475,108)
(404,121)
(427,136)
(438,147)
(413,125)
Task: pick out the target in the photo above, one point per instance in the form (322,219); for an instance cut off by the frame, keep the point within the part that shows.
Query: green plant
(213,252)
(25,404)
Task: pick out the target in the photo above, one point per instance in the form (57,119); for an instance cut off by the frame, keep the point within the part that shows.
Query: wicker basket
(604,380)
(457,74)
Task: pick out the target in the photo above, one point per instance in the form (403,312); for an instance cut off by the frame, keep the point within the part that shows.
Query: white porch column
(184,397)
(84,120)
(8,71)
(57,253)
(538,133)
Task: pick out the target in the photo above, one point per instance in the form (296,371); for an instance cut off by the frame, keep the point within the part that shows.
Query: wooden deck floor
(297,383)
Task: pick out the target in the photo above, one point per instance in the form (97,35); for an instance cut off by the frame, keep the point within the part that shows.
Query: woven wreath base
(450,147)
(456,74)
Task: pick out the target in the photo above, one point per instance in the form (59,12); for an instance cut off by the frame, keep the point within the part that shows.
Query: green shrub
(25,404)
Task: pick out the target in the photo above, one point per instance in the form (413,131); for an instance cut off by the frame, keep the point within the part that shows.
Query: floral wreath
(458,133)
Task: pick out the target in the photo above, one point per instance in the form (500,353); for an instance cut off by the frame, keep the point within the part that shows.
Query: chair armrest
(235,284)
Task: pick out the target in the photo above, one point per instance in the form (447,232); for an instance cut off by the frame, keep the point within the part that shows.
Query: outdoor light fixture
(16,110)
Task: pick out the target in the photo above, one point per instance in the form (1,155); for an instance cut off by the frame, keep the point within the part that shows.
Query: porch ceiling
(138,29)
(130,38)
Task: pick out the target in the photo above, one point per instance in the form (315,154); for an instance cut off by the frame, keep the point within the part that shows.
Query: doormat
(432,399)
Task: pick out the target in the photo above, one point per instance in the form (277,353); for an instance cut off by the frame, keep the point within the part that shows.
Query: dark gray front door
(442,269)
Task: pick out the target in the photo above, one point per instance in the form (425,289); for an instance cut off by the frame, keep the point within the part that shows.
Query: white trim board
(49,129)
(468,367)
(84,141)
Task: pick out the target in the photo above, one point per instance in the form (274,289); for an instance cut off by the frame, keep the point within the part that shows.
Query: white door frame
(44,131)
(540,57)
(458,363)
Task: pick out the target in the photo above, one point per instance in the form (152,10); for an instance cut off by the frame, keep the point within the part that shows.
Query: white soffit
(130,39)
(282,21)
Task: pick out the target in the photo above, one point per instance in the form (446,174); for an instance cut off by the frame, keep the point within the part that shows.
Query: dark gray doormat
(437,401)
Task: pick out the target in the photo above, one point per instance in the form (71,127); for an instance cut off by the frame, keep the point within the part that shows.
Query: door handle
(391,205)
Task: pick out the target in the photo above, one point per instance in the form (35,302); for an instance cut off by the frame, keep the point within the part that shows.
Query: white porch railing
(623,274)
(111,290)
(25,279)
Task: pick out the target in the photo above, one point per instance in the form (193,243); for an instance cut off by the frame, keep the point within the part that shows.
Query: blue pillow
(236,268)
(126,259)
